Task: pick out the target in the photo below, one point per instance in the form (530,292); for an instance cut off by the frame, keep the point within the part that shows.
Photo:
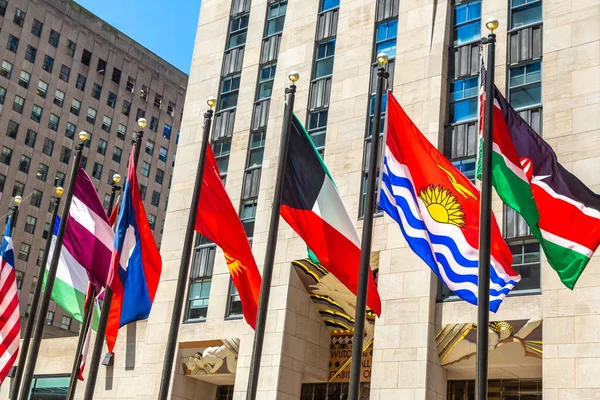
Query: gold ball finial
(382,59)
(59,191)
(84,136)
(142,123)
(293,76)
(211,101)
(492,24)
(116,178)
(18,200)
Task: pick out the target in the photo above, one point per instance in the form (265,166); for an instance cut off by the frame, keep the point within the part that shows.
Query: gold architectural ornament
(502,328)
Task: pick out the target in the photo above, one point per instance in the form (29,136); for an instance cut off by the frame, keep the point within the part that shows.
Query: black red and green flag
(312,206)
(561,211)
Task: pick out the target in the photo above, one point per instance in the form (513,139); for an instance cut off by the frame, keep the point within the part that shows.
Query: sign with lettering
(340,359)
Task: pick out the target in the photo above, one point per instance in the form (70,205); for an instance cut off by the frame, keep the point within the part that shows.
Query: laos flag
(136,264)
(437,208)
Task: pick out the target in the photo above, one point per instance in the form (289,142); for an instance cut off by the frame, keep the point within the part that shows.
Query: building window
(467,166)
(102,147)
(149,147)
(116,75)
(237,31)
(53,122)
(75,107)
(226,393)
(525,86)
(145,169)
(152,221)
(167,131)
(463,99)
(86,57)
(96,91)
(171,109)
(2,94)
(229,92)
(81,79)
(12,129)
(143,192)
(106,201)
(42,172)
(24,164)
(65,155)
(158,100)
(6,69)
(200,280)
(40,256)
(130,87)
(276,17)
(48,63)
(317,124)
(70,49)
(248,215)
(155,201)
(256,149)
(6,155)
(525,12)
(509,389)
(19,276)
(65,73)
(50,318)
(97,171)
(3,5)
(265,81)
(42,89)
(36,198)
(101,67)
(111,100)
(24,249)
(153,124)
(59,180)
(163,154)
(121,131)
(467,23)
(34,281)
(91,115)
(53,38)
(2,182)
(18,104)
(140,114)
(19,17)
(126,108)
(36,28)
(144,93)
(18,189)
(30,54)
(160,175)
(222,149)
(106,123)
(234,303)
(36,113)
(59,98)
(30,223)
(13,43)
(30,137)
(70,130)
(48,147)
(117,152)
(24,79)
(385,40)
(65,323)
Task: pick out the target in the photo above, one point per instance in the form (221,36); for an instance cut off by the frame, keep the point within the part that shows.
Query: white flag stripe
(69,270)
(92,222)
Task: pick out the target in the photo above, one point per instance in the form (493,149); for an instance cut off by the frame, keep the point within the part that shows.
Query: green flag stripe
(567,263)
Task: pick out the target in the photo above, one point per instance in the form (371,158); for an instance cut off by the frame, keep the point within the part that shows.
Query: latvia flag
(312,206)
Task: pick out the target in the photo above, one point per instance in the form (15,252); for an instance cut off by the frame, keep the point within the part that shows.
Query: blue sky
(168,28)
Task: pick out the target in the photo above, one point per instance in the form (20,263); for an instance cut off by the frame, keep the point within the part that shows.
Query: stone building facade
(544,340)
(64,70)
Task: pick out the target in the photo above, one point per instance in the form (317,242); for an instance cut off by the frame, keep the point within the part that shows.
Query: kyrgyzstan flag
(218,221)
(312,206)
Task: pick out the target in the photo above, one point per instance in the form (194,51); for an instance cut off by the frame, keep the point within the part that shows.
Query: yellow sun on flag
(235,267)
(442,205)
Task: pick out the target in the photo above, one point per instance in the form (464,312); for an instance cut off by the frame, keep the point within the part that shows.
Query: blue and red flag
(136,264)
(437,209)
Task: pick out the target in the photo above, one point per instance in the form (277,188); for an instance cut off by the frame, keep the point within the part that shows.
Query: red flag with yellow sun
(219,223)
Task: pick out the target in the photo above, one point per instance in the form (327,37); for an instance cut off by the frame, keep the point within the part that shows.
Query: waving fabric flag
(562,213)
(437,209)
(9,305)
(312,206)
(218,221)
(136,264)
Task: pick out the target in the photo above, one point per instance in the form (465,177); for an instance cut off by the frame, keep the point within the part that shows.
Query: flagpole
(485,231)
(15,215)
(89,311)
(106,302)
(185,259)
(267,273)
(41,320)
(367,233)
(16,383)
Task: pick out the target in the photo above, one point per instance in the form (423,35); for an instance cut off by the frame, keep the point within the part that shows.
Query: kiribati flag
(437,209)
(136,264)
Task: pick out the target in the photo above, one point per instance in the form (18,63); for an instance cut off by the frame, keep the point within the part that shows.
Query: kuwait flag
(562,213)
(312,206)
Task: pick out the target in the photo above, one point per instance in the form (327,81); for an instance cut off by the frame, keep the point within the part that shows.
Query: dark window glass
(525,89)
(237,31)
(12,129)
(229,92)
(36,28)
(324,59)
(19,17)
(525,12)
(30,138)
(111,100)
(13,43)
(126,108)
(116,75)
(65,72)
(101,67)
(96,91)
(30,54)
(70,49)
(48,147)
(265,86)
(48,63)
(86,57)
(276,17)
(53,38)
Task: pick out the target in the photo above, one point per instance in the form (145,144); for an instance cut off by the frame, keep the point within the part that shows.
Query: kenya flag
(562,213)
(312,206)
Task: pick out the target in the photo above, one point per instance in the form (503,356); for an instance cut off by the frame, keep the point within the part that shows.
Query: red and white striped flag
(9,306)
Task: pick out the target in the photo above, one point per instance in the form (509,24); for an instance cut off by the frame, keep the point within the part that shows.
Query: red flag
(112,218)
(218,221)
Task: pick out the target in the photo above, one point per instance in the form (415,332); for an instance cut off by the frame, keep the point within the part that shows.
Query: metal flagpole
(483,293)
(185,259)
(365,250)
(267,273)
(89,312)
(106,302)
(41,320)
(15,215)
(16,383)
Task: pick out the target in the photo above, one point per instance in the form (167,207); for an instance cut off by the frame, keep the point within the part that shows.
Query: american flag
(9,306)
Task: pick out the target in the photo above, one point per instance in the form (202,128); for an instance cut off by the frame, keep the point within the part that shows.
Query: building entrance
(332,391)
